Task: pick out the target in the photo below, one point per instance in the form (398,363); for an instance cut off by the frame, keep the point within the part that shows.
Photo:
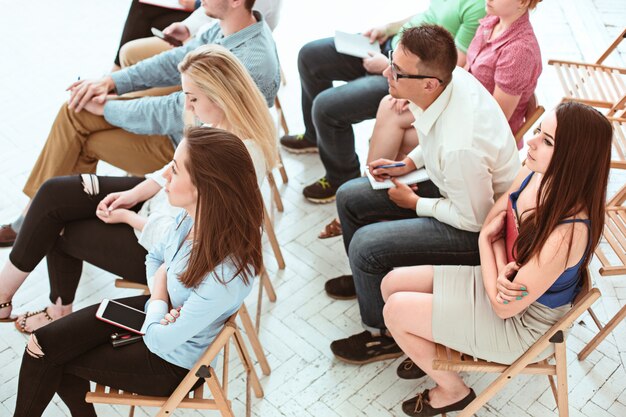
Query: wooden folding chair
(618,154)
(612,256)
(182,397)
(451,360)
(283,124)
(594,84)
(533,113)
(251,330)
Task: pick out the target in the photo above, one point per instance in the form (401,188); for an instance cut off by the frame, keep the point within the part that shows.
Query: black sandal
(9,319)
(21,325)
(419,406)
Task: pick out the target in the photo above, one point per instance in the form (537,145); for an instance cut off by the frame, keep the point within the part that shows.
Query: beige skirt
(464,320)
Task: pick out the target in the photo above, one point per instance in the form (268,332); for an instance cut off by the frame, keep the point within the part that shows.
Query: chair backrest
(618,154)
(533,113)
(612,47)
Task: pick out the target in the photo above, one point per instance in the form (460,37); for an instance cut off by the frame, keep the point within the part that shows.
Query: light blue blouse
(204,308)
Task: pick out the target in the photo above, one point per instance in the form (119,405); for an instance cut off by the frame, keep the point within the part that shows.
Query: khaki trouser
(77,141)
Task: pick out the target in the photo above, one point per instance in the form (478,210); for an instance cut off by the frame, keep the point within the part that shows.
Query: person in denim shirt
(139,135)
(200,273)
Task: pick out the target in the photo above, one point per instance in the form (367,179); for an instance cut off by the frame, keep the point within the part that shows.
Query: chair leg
(281,115)
(595,318)
(271,235)
(247,363)
(253,338)
(552,383)
(267,285)
(275,193)
(218,395)
(131,412)
(602,334)
(282,170)
(561,379)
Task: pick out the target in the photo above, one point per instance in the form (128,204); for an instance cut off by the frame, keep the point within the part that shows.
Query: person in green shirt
(329,112)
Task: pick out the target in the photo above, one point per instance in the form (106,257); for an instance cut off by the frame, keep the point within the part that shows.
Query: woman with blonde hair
(112,222)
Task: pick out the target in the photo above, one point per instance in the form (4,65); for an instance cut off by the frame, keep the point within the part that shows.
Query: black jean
(141,17)
(329,112)
(61,205)
(76,350)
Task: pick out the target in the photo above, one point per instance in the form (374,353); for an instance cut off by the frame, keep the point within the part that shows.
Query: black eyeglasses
(397,75)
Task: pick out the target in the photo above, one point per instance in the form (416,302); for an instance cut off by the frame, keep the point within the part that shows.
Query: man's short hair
(435,48)
(249,4)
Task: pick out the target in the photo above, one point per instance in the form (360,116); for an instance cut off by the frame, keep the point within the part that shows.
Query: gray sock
(17,224)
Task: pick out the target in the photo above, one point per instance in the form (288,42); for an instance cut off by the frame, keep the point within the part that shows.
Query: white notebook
(412,177)
(355,44)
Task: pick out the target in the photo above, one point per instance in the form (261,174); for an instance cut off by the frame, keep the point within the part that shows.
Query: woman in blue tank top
(552,216)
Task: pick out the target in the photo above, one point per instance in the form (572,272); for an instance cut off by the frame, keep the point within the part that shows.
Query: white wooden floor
(47,44)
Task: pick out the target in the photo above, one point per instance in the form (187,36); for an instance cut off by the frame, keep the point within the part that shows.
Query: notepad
(167,4)
(412,177)
(355,44)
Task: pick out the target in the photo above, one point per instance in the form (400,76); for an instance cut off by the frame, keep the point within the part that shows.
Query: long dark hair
(574,182)
(229,213)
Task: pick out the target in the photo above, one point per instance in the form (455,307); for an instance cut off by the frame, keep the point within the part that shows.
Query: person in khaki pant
(139,135)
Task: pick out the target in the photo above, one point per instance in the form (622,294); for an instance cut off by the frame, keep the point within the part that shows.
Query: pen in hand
(396,165)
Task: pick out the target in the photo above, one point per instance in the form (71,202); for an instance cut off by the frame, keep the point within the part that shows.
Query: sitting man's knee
(33,348)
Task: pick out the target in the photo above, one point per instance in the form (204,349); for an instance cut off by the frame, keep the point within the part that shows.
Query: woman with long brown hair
(112,222)
(198,275)
(553,216)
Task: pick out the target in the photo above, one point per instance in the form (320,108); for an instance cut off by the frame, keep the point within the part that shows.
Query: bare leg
(414,336)
(389,131)
(55,311)
(11,279)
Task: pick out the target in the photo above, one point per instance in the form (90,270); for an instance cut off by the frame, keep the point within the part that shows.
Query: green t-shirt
(459,17)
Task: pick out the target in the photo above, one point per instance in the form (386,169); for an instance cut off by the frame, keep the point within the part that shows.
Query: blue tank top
(568,284)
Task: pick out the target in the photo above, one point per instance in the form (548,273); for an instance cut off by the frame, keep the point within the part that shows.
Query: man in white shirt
(468,151)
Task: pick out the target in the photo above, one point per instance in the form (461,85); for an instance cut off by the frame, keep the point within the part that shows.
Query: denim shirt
(253,46)
(204,309)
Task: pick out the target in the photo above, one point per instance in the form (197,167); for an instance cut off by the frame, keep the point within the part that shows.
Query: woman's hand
(495,229)
(399,105)
(171,316)
(124,199)
(116,216)
(507,290)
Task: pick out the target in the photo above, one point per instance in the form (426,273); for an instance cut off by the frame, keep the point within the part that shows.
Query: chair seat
(106,395)
(452,360)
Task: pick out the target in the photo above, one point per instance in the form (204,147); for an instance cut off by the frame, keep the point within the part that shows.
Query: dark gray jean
(379,236)
(328,112)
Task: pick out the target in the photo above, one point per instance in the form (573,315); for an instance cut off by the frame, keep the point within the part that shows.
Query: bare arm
(507,102)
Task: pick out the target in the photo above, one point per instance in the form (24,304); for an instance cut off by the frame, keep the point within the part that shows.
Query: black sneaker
(298,144)
(341,288)
(409,370)
(365,348)
(320,192)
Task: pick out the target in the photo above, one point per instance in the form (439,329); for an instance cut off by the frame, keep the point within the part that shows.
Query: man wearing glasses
(329,112)
(468,151)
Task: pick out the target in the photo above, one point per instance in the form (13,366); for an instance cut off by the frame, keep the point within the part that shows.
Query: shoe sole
(321,200)
(300,151)
(339,297)
(374,359)
(6,244)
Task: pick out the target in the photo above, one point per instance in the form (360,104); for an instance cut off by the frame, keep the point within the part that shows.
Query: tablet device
(121,315)
(355,44)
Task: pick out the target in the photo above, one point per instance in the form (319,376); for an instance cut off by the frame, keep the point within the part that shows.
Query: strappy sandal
(9,319)
(332,229)
(21,325)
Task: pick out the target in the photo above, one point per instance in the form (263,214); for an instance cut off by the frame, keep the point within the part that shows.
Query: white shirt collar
(425,119)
